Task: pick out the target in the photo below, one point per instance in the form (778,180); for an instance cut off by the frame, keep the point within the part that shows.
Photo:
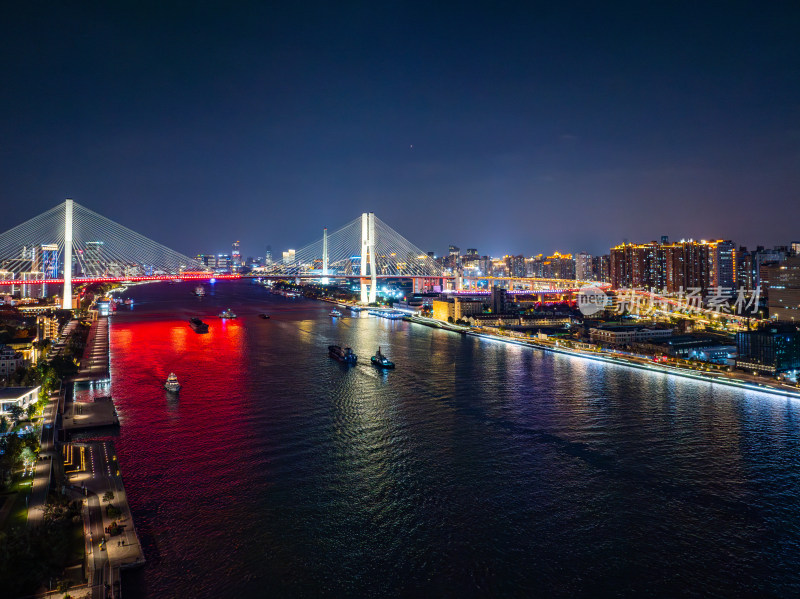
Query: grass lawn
(18,516)
(77,547)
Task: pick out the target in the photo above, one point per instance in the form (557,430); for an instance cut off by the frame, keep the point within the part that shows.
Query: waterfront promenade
(88,471)
(94,364)
(93,472)
(738,379)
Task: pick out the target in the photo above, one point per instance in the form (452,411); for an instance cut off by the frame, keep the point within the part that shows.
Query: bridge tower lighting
(325,256)
(368,293)
(67,300)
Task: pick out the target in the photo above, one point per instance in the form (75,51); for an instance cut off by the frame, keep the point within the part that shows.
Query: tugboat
(264,316)
(172,385)
(198,325)
(381,361)
(335,312)
(345,355)
(227,314)
(199,291)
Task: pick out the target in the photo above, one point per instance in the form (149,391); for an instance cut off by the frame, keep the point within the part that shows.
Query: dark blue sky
(535,126)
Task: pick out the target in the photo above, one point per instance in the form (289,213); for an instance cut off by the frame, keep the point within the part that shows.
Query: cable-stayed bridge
(71,244)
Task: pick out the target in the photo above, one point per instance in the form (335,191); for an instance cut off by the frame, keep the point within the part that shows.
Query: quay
(95,364)
(87,471)
(739,380)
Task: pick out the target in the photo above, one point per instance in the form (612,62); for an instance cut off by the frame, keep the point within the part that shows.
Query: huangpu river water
(475,469)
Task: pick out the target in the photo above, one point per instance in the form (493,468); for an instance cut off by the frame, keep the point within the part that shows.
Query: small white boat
(335,312)
(172,383)
(199,291)
(227,314)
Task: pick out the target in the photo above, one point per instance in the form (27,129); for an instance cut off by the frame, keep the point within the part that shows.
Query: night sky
(510,127)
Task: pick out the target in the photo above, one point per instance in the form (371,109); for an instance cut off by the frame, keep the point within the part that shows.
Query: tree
(3,424)
(16,412)
(108,496)
(27,455)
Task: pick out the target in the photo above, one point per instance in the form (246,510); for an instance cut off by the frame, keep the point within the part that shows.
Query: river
(475,469)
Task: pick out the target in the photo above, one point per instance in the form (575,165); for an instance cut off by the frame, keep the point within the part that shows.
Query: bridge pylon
(369,286)
(325,256)
(66,303)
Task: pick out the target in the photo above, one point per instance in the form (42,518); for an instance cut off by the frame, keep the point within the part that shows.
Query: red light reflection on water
(178,444)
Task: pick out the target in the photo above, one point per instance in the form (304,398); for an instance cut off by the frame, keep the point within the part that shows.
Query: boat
(381,361)
(335,312)
(199,291)
(129,302)
(198,325)
(264,316)
(172,383)
(345,355)
(227,314)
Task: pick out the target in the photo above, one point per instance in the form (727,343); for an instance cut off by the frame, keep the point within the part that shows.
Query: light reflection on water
(474,469)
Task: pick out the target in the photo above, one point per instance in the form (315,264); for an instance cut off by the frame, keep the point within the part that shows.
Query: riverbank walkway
(95,361)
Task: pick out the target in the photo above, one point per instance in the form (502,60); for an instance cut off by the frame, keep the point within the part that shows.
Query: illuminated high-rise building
(453,258)
(559,266)
(784,290)
(515,265)
(601,268)
(236,255)
(208,260)
(723,265)
(583,267)
(49,260)
(223,263)
(92,261)
(675,266)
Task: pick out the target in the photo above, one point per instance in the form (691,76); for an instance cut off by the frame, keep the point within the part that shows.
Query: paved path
(100,474)
(44,465)
(94,364)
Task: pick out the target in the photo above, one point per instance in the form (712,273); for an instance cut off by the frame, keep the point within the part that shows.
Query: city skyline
(522,127)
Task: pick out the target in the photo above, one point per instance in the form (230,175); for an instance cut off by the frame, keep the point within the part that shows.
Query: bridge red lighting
(79,280)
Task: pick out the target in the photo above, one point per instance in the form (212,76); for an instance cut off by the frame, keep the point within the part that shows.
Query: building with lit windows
(675,266)
(48,326)
(223,263)
(10,360)
(723,265)
(515,266)
(625,335)
(92,259)
(601,268)
(772,349)
(534,266)
(583,267)
(559,266)
(784,290)
(455,308)
(499,300)
(49,256)
(17,396)
(236,255)
(207,260)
